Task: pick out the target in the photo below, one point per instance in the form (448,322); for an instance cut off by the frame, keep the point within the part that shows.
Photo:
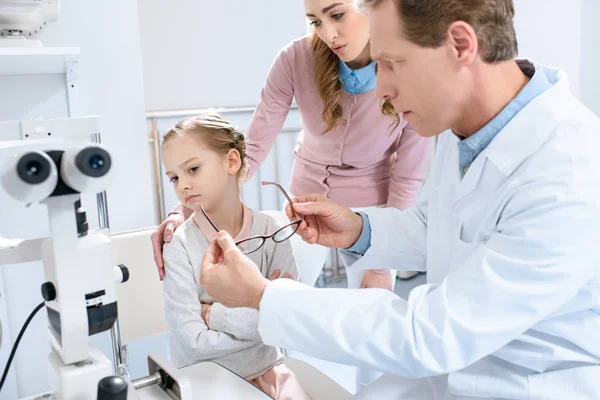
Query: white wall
(110,86)
(549,32)
(212,53)
(590,60)
(563,34)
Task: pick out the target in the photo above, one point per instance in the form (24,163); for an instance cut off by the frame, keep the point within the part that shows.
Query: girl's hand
(205,313)
(276,273)
(372,279)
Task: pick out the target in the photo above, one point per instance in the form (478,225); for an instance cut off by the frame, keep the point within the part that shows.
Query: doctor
(507,226)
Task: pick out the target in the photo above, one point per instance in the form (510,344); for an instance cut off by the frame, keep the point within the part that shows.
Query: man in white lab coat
(507,226)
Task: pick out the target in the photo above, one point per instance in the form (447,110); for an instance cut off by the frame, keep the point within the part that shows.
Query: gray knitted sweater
(232,340)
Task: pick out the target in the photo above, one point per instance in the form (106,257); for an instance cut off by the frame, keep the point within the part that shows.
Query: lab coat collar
(524,134)
(532,126)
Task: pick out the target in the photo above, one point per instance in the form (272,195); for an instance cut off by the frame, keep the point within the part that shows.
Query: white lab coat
(512,251)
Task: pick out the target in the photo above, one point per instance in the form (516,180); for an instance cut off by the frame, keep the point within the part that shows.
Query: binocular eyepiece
(33,176)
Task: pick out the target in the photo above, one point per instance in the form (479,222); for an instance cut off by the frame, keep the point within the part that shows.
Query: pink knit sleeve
(272,110)
(408,172)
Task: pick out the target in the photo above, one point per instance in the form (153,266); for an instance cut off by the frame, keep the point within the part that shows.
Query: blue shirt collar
(356,81)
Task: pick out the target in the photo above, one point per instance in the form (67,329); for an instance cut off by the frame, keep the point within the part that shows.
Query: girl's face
(200,176)
(340,26)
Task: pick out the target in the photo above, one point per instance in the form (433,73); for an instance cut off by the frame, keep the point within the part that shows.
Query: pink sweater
(361,163)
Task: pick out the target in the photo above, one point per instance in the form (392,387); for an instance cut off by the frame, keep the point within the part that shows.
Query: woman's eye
(315,23)
(192,170)
(337,16)
(173,179)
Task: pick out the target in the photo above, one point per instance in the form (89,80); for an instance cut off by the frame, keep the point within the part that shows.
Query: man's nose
(383,90)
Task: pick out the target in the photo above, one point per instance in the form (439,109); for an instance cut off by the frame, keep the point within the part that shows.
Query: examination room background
(145,63)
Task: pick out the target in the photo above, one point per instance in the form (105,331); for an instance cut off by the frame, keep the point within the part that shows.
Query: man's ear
(234,161)
(463,39)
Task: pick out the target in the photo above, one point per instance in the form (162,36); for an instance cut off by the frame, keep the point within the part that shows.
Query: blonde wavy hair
(330,87)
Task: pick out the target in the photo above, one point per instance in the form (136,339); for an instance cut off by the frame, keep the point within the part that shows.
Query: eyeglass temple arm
(282,190)
(210,221)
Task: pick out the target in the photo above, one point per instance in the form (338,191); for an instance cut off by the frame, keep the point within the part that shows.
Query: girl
(204,158)
(352,148)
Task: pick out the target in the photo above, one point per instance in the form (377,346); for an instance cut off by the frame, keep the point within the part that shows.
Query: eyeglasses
(253,243)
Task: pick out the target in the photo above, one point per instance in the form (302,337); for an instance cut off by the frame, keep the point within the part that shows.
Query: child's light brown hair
(215,132)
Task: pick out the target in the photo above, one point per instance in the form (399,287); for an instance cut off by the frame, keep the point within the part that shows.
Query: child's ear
(234,161)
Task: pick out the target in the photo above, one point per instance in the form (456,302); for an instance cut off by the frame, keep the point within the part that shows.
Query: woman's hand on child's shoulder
(163,234)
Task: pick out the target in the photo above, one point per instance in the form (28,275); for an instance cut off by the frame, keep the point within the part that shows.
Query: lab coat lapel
(471,179)
(522,136)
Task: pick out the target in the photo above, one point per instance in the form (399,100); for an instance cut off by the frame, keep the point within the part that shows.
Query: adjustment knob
(48,291)
(121,273)
(112,388)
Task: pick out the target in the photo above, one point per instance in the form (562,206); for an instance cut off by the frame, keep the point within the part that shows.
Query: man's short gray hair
(426,22)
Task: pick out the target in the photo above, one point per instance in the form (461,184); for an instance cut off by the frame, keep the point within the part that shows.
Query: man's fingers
(289,211)
(275,275)
(308,230)
(227,245)
(314,208)
(309,198)
(210,258)
(225,241)
(287,275)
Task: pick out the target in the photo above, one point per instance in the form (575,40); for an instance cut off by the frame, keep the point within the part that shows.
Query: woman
(352,148)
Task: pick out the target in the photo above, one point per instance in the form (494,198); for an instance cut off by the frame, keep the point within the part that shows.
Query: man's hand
(230,277)
(163,234)
(205,313)
(325,222)
(372,279)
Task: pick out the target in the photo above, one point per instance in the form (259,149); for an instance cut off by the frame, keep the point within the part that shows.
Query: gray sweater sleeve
(242,322)
(183,310)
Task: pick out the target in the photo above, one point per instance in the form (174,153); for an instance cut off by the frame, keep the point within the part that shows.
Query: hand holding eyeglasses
(251,244)
(229,276)
(325,222)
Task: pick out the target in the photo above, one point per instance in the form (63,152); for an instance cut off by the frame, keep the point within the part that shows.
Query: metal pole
(188,112)
(119,356)
(146,381)
(157,176)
